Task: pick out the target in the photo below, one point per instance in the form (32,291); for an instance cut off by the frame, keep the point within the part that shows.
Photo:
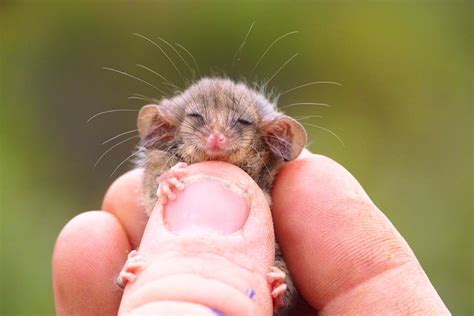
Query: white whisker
(172,85)
(144,97)
(123,161)
(303,103)
(154,72)
(134,77)
(279,69)
(137,98)
(238,53)
(164,53)
(327,130)
(190,55)
(307,117)
(191,71)
(117,136)
(108,150)
(110,111)
(268,49)
(309,84)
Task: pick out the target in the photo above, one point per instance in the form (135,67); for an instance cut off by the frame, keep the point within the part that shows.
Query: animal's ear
(285,136)
(155,122)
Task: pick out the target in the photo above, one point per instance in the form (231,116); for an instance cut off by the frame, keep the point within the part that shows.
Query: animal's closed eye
(195,115)
(244,122)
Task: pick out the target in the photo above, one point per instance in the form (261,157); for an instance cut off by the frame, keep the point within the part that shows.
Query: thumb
(208,251)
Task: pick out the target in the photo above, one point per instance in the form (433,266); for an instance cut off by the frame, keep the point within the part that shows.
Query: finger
(89,252)
(124,200)
(207,248)
(344,254)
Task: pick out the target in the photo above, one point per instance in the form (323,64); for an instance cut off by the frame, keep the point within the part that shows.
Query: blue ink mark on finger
(251,293)
(217,313)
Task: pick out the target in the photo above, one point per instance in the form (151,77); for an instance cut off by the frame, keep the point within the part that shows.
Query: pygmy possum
(217,119)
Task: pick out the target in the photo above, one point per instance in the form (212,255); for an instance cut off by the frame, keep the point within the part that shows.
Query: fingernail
(207,205)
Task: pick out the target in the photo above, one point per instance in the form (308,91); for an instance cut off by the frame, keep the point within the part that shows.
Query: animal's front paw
(128,273)
(170,180)
(276,280)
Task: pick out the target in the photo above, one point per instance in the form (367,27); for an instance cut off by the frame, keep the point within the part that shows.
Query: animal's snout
(216,140)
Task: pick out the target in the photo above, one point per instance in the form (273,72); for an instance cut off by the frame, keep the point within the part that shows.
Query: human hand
(343,253)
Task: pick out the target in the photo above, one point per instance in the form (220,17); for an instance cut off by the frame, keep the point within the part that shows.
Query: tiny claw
(124,278)
(177,184)
(168,192)
(128,273)
(279,290)
(276,279)
(135,264)
(169,181)
(278,295)
(276,276)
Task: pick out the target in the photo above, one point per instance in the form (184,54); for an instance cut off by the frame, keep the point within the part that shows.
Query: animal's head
(217,119)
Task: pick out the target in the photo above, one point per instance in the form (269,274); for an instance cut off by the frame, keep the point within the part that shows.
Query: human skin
(343,253)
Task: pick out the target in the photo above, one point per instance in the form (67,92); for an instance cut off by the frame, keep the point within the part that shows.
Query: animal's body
(217,119)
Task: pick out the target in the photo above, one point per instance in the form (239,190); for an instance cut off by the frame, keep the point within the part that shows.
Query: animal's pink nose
(216,140)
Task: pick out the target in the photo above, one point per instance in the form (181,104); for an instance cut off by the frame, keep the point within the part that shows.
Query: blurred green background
(404,112)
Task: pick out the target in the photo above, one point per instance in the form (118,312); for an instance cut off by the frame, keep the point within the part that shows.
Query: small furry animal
(218,119)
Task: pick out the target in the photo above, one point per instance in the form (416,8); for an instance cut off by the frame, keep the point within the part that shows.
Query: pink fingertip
(205,206)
